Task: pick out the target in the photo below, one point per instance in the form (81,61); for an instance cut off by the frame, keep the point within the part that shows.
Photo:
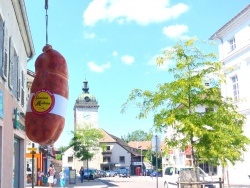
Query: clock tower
(86,109)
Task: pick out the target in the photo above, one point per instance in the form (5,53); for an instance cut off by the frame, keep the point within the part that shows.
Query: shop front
(33,162)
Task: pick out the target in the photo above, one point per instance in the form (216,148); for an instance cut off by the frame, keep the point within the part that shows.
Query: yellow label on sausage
(42,101)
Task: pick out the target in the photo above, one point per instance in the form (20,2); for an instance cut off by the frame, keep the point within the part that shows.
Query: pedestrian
(39,177)
(62,178)
(51,172)
(81,174)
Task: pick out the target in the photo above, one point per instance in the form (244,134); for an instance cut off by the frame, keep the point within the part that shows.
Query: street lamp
(140,147)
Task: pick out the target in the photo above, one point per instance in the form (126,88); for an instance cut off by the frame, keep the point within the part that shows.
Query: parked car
(149,171)
(171,176)
(155,174)
(110,173)
(116,172)
(103,173)
(124,173)
(89,174)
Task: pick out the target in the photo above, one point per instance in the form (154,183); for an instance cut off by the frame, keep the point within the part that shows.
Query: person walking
(51,172)
(81,174)
(62,178)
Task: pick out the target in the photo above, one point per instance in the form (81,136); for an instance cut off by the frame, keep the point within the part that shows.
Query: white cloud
(127,59)
(175,31)
(98,68)
(115,53)
(89,35)
(142,12)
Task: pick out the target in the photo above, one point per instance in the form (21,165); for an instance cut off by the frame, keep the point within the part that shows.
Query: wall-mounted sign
(156,143)
(16,123)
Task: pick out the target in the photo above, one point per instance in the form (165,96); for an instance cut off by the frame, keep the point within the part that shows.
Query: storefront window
(29,171)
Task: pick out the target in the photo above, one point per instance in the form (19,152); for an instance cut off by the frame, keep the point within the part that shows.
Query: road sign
(156,143)
(32,150)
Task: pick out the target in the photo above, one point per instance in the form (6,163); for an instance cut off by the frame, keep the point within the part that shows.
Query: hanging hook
(46,4)
(46,19)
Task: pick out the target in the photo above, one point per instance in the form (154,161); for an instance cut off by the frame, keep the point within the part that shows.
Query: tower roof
(86,99)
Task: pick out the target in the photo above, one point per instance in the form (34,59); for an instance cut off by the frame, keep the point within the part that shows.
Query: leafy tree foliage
(85,141)
(61,149)
(215,133)
(159,161)
(138,135)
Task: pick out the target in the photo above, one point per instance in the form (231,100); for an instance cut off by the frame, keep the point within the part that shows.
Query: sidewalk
(91,183)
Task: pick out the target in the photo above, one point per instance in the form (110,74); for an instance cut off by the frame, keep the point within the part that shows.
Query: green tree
(85,142)
(138,135)
(216,134)
(61,149)
(159,161)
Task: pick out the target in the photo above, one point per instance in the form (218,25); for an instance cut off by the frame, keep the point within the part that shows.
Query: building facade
(16,48)
(117,154)
(234,53)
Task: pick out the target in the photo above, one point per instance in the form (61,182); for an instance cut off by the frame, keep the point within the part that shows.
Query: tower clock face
(86,115)
(87,99)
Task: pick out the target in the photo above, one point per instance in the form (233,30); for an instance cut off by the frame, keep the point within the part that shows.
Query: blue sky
(113,45)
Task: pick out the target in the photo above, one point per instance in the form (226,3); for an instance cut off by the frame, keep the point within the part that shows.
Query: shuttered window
(16,77)
(19,86)
(4,50)
(22,88)
(11,64)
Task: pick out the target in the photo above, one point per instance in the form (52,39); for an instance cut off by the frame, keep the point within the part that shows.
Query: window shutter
(4,50)
(11,64)
(19,87)
(5,60)
(16,86)
(22,89)
(1,43)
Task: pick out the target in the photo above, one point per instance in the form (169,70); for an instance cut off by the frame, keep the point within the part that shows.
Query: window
(11,64)
(232,44)
(4,50)
(122,159)
(107,148)
(235,87)
(169,171)
(208,168)
(22,93)
(70,159)
(106,159)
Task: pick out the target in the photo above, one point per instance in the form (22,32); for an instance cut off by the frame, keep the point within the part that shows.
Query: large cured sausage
(44,120)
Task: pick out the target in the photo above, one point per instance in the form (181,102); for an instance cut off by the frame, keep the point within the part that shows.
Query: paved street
(132,182)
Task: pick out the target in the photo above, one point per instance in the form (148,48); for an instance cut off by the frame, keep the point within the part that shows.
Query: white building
(234,52)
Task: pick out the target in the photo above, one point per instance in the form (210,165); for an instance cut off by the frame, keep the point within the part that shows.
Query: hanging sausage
(44,121)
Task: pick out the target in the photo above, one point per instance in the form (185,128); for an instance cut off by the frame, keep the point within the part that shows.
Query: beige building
(16,48)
